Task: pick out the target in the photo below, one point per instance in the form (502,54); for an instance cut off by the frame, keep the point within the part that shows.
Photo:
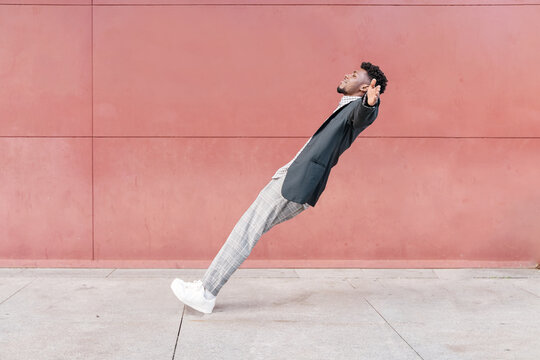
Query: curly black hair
(374,72)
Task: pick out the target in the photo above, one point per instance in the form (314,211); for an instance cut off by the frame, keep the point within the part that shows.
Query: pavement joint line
(500,277)
(109,274)
(349,282)
(406,342)
(527,291)
(178,334)
(10,296)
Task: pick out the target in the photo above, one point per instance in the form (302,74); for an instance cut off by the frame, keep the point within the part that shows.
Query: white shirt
(282,171)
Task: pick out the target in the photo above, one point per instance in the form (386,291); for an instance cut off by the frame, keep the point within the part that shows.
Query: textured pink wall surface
(136,133)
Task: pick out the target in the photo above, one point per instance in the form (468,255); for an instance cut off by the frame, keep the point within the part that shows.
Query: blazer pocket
(314,174)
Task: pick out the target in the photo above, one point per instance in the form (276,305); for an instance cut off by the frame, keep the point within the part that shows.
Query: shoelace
(193,284)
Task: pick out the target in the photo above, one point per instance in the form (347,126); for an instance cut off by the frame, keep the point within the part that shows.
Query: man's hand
(373,93)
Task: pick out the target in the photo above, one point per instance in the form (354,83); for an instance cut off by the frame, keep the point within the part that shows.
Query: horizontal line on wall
(270,137)
(278,264)
(298,4)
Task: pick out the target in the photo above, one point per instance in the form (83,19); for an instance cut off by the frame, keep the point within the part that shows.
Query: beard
(341,90)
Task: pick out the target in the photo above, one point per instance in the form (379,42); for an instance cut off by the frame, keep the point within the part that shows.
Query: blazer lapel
(330,118)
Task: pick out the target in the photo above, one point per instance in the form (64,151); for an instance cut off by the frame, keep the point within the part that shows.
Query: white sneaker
(192,294)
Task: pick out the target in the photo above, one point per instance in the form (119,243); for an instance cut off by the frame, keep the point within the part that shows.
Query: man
(295,186)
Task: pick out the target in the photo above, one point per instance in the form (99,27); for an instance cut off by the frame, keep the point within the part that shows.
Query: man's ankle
(208,295)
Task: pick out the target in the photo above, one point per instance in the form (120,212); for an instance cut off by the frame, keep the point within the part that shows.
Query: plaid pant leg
(269,209)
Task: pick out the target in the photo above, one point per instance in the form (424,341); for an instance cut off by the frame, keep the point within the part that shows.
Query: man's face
(355,83)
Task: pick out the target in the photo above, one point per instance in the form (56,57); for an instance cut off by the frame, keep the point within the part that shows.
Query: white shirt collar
(345,99)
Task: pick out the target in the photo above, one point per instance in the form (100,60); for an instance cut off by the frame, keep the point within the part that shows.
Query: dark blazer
(307,175)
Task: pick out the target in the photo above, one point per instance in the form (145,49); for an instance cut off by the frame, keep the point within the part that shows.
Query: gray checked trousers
(269,209)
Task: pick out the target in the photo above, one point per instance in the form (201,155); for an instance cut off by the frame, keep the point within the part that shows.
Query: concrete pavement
(389,314)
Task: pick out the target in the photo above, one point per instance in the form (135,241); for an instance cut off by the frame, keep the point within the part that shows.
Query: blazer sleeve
(363,114)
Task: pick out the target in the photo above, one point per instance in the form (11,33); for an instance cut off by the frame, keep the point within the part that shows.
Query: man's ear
(364,87)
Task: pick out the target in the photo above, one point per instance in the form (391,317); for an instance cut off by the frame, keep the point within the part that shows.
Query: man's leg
(269,208)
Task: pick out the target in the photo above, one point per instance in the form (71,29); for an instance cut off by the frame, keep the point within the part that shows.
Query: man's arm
(366,111)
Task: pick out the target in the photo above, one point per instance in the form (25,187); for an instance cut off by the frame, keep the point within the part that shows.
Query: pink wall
(138,135)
